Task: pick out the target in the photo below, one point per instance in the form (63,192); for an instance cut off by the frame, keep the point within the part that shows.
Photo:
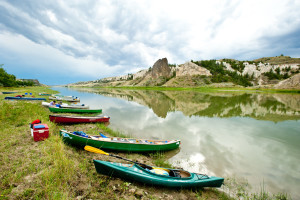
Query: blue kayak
(25,98)
(8,92)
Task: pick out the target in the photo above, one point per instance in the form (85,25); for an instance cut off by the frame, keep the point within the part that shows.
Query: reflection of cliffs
(258,106)
(273,107)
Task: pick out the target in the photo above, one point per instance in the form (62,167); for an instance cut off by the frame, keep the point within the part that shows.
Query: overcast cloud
(62,42)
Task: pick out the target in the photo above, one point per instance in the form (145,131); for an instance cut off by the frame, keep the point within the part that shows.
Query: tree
(7,80)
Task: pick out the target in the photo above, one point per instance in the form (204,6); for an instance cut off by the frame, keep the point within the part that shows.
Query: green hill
(278,60)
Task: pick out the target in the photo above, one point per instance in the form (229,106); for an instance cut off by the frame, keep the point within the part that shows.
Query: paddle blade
(95,150)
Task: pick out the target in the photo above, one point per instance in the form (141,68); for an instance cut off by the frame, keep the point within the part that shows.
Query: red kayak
(77,119)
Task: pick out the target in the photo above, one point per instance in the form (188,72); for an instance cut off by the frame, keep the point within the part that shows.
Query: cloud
(36,59)
(124,36)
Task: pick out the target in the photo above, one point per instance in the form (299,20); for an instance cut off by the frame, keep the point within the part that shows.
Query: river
(246,137)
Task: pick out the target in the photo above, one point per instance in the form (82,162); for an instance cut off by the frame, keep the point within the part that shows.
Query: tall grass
(159,160)
(44,169)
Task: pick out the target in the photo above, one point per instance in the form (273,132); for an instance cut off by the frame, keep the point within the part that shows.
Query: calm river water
(250,137)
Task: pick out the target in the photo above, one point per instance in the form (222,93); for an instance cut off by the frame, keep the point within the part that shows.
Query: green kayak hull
(118,144)
(134,172)
(73,110)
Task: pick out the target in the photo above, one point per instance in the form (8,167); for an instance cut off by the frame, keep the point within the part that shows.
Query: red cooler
(40,132)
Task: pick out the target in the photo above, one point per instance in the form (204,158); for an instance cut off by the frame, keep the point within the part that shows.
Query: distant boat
(65,105)
(46,104)
(64,98)
(8,92)
(74,110)
(77,119)
(44,94)
(81,139)
(25,98)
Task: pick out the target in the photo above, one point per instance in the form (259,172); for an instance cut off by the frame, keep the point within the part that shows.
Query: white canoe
(64,105)
(64,98)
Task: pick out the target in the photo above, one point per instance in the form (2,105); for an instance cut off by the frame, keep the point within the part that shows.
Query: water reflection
(248,135)
(272,107)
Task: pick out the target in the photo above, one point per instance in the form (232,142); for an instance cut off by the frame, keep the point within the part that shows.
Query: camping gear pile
(39,131)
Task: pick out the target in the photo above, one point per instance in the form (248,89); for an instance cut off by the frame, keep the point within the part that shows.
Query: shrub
(272,75)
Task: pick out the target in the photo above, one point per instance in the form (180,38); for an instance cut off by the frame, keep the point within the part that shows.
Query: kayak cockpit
(167,172)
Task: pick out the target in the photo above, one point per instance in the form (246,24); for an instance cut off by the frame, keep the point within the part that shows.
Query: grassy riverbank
(51,169)
(208,89)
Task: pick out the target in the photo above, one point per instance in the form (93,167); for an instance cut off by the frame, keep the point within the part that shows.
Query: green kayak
(81,139)
(73,110)
(174,178)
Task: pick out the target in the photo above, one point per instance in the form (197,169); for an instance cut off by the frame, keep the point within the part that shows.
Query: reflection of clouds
(260,151)
(194,163)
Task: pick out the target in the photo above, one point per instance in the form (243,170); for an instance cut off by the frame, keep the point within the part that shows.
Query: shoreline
(204,88)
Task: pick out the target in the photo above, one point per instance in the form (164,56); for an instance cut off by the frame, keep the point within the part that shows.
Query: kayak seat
(184,174)
(179,173)
(174,173)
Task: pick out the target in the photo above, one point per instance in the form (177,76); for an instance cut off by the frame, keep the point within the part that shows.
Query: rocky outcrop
(252,69)
(227,65)
(290,83)
(191,69)
(140,74)
(258,70)
(116,78)
(161,68)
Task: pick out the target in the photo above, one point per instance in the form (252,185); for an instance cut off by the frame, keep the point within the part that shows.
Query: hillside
(267,72)
(278,60)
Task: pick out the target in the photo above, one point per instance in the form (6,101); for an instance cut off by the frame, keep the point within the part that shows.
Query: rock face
(161,68)
(258,70)
(227,65)
(140,74)
(117,78)
(190,68)
(290,83)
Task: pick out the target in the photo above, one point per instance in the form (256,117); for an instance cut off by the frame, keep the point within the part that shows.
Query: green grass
(208,89)
(22,90)
(159,160)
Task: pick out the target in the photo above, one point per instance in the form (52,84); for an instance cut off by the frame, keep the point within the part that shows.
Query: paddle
(96,150)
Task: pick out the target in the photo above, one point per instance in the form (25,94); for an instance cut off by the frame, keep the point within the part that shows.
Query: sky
(60,42)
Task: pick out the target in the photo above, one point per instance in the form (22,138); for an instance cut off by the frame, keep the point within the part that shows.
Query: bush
(272,75)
